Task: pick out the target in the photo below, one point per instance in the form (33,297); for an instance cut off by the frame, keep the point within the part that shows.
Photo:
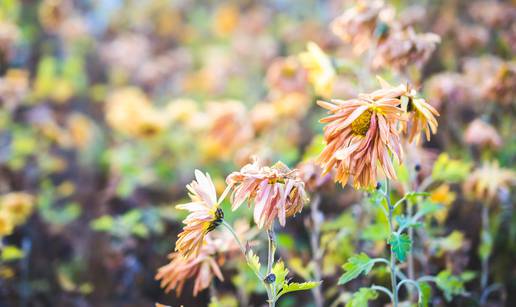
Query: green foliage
(362,297)
(452,285)
(140,223)
(450,170)
(377,231)
(400,245)
(11,252)
(282,285)
(356,265)
(294,286)
(425,294)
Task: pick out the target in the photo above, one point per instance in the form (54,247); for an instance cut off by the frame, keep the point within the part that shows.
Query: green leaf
(362,297)
(405,222)
(400,245)
(254,262)
(103,223)
(486,245)
(449,170)
(428,207)
(451,285)
(425,294)
(280,272)
(376,232)
(11,252)
(294,286)
(356,265)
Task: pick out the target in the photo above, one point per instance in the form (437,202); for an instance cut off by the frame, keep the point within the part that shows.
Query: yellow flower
(485,182)
(80,129)
(6,226)
(321,73)
(18,206)
(442,195)
(225,20)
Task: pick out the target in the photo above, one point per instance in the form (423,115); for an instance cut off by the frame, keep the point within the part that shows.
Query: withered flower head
(404,47)
(205,215)
(321,73)
(287,75)
(313,176)
(420,116)
(358,24)
(493,13)
(202,266)
(361,135)
(482,134)
(275,191)
(17,205)
(485,182)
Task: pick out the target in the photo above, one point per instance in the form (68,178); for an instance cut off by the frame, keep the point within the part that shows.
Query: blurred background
(107,107)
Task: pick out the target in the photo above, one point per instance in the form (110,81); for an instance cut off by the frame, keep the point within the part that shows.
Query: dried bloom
(482,134)
(114,52)
(471,36)
(275,191)
(493,13)
(292,105)
(202,266)
(14,87)
(263,116)
(361,134)
(502,87)
(420,115)
(321,73)
(404,47)
(313,176)
(357,25)
(52,13)
(205,215)
(287,75)
(228,128)
(17,205)
(448,87)
(485,182)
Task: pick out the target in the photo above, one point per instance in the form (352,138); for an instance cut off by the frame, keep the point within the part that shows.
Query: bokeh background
(107,107)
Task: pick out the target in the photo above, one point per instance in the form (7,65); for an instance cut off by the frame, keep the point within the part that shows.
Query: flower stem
(270,261)
(485,258)
(316,249)
(393,259)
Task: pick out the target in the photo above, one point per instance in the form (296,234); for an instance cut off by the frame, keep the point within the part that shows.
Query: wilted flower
(361,134)
(358,24)
(404,47)
(485,182)
(471,36)
(275,191)
(321,73)
(292,105)
(202,266)
(287,75)
(205,215)
(502,87)
(263,116)
(420,115)
(444,196)
(448,87)
(493,13)
(52,13)
(482,134)
(313,176)
(17,205)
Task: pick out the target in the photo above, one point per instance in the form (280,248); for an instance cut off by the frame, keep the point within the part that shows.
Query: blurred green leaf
(400,245)
(355,266)
(362,297)
(11,252)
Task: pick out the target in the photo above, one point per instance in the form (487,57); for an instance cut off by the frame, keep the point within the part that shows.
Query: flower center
(218,216)
(361,125)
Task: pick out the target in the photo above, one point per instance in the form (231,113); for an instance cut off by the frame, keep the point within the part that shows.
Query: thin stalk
(316,249)
(393,259)
(485,260)
(410,257)
(270,261)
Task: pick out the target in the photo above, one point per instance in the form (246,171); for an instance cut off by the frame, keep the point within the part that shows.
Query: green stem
(393,259)
(270,261)
(485,259)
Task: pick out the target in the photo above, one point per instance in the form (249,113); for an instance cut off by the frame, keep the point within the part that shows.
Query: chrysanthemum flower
(6,224)
(287,75)
(17,205)
(202,266)
(420,116)
(482,134)
(275,191)
(485,182)
(321,73)
(361,135)
(205,215)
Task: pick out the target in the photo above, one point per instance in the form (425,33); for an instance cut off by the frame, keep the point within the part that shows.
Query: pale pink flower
(482,134)
(275,191)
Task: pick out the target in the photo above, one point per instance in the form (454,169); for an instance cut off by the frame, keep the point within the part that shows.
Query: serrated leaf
(362,297)
(450,285)
(280,272)
(294,286)
(254,262)
(400,245)
(356,265)
(406,222)
(425,294)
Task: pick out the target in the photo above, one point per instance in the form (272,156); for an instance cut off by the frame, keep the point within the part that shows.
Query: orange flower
(420,115)
(205,215)
(485,182)
(361,134)
(482,134)
(276,191)
(203,266)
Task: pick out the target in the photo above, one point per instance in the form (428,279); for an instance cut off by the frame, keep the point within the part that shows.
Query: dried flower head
(287,75)
(493,13)
(313,176)
(202,266)
(357,25)
(275,191)
(482,134)
(485,182)
(361,135)
(404,47)
(321,73)
(205,215)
